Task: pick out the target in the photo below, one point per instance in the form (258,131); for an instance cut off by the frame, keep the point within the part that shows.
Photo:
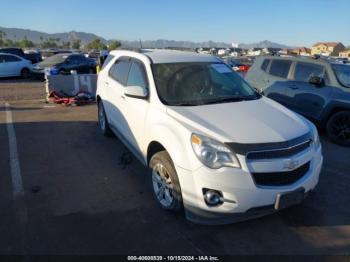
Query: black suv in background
(315,88)
(64,63)
(34,57)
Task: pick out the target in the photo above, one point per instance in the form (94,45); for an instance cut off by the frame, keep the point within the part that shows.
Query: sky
(290,22)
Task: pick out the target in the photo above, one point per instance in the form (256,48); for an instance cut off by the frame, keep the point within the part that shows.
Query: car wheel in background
(25,73)
(165,183)
(62,72)
(338,128)
(102,120)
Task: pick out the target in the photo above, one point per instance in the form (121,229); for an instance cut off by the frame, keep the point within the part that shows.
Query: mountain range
(36,36)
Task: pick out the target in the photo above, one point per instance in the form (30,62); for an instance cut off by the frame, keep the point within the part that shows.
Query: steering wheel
(188,72)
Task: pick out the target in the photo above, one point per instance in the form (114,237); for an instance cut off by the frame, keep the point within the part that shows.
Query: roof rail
(137,50)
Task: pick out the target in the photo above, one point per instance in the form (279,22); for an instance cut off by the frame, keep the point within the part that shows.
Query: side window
(2,59)
(10,58)
(265,64)
(120,71)
(137,76)
(280,68)
(303,71)
(74,59)
(81,59)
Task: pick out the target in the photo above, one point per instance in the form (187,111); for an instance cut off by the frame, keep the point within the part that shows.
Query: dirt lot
(79,198)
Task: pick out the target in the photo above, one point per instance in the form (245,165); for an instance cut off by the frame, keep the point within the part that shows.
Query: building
(345,54)
(223,51)
(255,51)
(236,51)
(286,51)
(327,48)
(303,51)
(271,51)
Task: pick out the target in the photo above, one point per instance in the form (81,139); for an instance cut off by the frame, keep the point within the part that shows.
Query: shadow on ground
(89,203)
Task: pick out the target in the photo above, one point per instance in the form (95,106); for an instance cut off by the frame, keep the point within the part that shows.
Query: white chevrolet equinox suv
(213,145)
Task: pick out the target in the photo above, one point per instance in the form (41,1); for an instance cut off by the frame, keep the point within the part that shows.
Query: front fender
(177,141)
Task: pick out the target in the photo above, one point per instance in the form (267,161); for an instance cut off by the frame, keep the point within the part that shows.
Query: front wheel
(165,183)
(338,128)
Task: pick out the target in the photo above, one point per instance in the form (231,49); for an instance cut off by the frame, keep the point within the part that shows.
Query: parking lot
(80,197)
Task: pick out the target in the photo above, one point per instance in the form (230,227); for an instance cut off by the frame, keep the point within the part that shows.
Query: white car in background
(212,145)
(13,65)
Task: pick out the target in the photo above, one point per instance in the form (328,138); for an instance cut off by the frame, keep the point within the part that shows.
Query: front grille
(278,153)
(281,178)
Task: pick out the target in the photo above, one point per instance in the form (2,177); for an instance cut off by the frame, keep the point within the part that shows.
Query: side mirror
(259,91)
(316,80)
(136,92)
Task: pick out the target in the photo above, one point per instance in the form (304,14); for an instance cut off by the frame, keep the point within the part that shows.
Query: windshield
(343,74)
(191,84)
(56,59)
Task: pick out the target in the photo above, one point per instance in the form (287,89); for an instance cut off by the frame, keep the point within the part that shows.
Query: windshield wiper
(229,99)
(185,104)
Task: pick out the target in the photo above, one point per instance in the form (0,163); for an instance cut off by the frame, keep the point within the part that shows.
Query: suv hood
(256,121)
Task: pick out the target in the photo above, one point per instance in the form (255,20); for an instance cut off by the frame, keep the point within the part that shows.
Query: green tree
(66,45)
(76,44)
(25,43)
(2,36)
(114,45)
(96,44)
(8,43)
(50,43)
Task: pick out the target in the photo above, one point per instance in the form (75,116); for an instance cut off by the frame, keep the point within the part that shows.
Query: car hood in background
(255,121)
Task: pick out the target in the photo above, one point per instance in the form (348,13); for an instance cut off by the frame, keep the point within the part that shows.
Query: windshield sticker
(221,68)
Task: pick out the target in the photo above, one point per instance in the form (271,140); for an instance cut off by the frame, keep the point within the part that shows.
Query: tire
(338,128)
(164,182)
(62,72)
(102,121)
(25,73)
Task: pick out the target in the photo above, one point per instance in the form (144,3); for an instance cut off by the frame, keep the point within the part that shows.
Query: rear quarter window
(265,64)
(107,61)
(280,68)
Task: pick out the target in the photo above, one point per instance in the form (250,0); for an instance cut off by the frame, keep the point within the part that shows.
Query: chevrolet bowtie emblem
(290,164)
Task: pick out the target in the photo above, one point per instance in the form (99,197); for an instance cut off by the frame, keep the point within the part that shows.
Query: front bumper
(246,200)
(38,72)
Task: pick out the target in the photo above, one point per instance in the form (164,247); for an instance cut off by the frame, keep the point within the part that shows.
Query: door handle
(106,83)
(293,87)
(123,97)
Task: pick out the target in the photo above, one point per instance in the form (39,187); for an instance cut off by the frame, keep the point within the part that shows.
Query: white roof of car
(159,56)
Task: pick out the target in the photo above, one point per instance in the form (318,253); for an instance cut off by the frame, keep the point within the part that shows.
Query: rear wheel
(165,183)
(102,120)
(25,73)
(338,128)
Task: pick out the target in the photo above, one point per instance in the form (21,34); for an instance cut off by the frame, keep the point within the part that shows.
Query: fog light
(212,197)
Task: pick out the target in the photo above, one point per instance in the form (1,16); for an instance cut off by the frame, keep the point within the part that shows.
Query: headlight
(315,138)
(213,154)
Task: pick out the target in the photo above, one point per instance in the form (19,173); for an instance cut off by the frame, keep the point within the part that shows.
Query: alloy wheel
(162,185)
